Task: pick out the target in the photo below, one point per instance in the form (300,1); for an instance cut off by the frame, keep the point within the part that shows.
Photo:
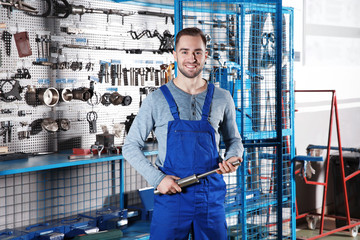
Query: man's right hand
(168,185)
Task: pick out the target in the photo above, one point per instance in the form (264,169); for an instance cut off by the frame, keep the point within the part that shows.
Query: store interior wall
(327,46)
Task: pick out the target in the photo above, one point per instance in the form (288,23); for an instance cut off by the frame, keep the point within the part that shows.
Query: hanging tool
(48,96)
(91,117)
(136,36)
(136,74)
(129,120)
(43,51)
(132,76)
(12,94)
(145,91)
(5,131)
(130,50)
(169,75)
(101,73)
(150,71)
(166,42)
(158,14)
(195,178)
(105,99)
(113,73)
(214,23)
(165,15)
(119,73)
(49,125)
(23,73)
(23,44)
(268,44)
(6,37)
(163,71)
(142,75)
(63,9)
(107,72)
(83,94)
(17,4)
(125,76)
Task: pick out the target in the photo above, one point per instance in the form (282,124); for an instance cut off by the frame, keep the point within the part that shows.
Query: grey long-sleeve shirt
(155,114)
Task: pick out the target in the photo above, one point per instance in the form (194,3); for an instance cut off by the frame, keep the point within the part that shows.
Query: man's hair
(191,31)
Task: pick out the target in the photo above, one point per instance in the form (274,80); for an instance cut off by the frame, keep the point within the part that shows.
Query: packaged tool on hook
(23,44)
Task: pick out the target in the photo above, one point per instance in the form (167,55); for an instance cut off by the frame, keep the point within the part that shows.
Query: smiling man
(188,114)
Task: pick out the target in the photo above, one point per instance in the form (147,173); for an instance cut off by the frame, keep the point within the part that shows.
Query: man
(188,115)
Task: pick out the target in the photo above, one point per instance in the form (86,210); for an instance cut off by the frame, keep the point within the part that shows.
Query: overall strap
(207,103)
(170,99)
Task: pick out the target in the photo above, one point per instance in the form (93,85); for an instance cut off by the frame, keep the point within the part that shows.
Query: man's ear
(174,54)
(206,54)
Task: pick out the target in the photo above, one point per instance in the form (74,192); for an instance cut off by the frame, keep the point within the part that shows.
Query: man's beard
(190,75)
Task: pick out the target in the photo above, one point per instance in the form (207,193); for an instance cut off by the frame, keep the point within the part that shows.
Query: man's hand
(227,167)
(168,185)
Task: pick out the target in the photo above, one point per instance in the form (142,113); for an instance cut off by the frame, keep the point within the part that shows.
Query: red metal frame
(344,178)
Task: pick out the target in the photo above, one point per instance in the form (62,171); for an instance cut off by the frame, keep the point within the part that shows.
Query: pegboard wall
(95,54)
(76,53)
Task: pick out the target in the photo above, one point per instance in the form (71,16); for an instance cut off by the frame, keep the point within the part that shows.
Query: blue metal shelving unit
(52,193)
(244,59)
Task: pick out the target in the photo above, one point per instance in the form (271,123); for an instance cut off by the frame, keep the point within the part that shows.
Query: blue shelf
(53,161)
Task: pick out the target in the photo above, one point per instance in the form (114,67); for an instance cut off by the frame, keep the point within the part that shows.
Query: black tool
(157,72)
(166,41)
(23,73)
(113,73)
(125,76)
(17,4)
(91,117)
(268,44)
(13,156)
(165,15)
(105,99)
(11,95)
(101,73)
(6,37)
(195,178)
(63,9)
(136,36)
(129,120)
(129,50)
(215,23)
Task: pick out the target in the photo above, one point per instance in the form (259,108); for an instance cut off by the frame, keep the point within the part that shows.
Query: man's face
(190,56)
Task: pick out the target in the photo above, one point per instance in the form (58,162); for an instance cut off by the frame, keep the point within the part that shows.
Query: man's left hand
(227,167)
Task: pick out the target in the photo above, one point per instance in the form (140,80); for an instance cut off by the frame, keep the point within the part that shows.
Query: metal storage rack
(43,190)
(244,59)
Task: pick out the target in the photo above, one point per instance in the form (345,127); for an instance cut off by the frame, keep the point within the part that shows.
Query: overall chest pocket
(190,150)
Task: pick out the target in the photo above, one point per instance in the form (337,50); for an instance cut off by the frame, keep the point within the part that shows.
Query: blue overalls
(199,209)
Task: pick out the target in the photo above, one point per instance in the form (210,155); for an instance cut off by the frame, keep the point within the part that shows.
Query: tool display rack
(47,187)
(244,59)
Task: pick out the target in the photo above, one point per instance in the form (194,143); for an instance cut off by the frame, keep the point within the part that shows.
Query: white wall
(327,36)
